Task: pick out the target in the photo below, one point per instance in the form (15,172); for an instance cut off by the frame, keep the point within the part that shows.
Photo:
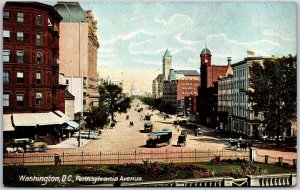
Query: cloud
(177,22)
(179,39)
(147,62)
(128,36)
(222,37)
(275,34)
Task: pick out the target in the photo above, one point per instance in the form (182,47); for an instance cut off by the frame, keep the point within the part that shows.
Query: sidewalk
(70,143)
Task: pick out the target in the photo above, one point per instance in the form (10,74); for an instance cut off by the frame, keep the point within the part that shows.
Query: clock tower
(205,58)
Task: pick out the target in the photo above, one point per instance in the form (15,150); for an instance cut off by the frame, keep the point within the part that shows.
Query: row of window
(239,97)
(20,99)
(239,73)
(20,37)
(225,97)
(225,85)
(21,17)
(20,54)
(20,77)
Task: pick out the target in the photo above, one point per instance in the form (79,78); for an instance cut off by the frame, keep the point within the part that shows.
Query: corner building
(30,58)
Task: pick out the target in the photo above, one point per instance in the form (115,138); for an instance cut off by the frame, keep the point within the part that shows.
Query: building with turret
(207,104)
(157,83)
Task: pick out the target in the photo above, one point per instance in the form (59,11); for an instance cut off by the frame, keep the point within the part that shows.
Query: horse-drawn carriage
(182,138)
(234,144)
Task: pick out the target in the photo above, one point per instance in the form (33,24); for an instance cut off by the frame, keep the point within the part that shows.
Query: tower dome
(205,51)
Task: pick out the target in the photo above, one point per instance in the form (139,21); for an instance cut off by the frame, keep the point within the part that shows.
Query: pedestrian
(240,139)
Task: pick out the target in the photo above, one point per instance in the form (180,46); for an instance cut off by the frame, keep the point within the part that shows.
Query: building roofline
(37,4)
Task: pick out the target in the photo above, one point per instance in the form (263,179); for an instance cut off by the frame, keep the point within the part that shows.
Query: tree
(112,100)
(97,117)
(274,93)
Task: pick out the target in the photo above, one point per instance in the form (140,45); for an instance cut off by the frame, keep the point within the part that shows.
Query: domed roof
(70,11)
(205,51)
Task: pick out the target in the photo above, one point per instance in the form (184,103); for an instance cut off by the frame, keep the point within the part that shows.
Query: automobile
(159,138)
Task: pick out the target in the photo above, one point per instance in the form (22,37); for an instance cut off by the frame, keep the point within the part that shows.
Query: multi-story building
(78,49)
(207,102)
(244,120)
(181,90)
(225,101)
(157,83)
(32,96)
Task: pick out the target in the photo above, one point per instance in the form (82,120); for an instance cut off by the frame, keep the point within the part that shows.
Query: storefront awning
(33,119)
(10,121)
(72,124)
(7,122)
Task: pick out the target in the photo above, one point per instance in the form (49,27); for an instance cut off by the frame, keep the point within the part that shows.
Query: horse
(244,146)
(131,123)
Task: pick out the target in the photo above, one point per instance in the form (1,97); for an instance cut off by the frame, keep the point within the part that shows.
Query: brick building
(181,90)
(33,100)
(207,103)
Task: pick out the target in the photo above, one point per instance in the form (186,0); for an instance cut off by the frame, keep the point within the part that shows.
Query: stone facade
(79,46)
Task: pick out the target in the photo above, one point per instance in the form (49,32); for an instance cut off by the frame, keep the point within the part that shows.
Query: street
(124,137)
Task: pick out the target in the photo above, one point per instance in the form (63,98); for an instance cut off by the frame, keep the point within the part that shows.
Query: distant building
(79,46)
(225,98)
(207,104)
(177,90)
(157,83)
(117,82)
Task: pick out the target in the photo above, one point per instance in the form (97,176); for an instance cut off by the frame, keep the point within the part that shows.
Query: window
(20,77)
(5,99)
(6,14)
(6,55)
(20,99)
(20,36)
(20,56)
(39,38)
(39,57)
(38,98)
(20,17)
(38,77)
(39,19)
(5,76)
(6,35)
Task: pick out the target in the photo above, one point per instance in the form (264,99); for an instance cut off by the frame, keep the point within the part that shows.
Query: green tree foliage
(274,93)
(112,100)
(159,104)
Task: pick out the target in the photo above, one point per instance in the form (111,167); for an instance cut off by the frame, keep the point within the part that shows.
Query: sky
(134,36)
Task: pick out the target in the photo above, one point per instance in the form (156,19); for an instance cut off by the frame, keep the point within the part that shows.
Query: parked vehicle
(159,138)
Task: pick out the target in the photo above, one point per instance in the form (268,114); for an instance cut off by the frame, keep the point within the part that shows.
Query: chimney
(229,60)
